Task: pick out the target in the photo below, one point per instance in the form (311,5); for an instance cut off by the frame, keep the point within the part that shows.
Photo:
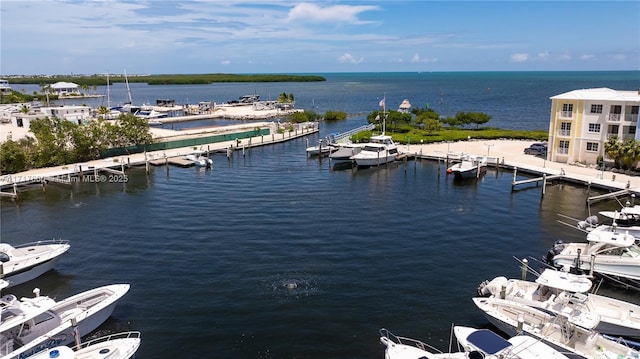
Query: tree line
(165,79)
(57,141)
(429,120)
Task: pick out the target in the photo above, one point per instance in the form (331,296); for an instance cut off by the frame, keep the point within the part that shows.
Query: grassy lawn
(410,134)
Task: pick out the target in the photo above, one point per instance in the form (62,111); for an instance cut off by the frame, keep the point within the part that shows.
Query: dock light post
(488,148)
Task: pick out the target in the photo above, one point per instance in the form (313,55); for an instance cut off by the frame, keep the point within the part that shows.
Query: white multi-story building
(583,120)
(76,114)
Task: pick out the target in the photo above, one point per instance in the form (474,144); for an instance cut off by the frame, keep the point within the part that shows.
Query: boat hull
(618,267)
(373,161)
(88,315)
(469,173)
(570,339)
(33,273)
(115,346)
(29,261)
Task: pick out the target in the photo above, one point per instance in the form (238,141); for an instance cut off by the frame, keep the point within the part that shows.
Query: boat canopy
(617,239)
(15,312)
(564,281)
(488,341)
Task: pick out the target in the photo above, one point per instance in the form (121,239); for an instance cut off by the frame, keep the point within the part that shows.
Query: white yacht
(473,344)
(612,254)
(571,335)
(378,151)
(407,348)
(567,294)
(24,262)
(490,345)
(115,346)
(30,325)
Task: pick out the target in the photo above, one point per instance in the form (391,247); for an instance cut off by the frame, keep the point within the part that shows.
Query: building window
(567,110)
(613,129)
(634,110)
(565,128)
(563,147)
(592,146)
(631,130)
(594,127)
(596,108)
(617,109)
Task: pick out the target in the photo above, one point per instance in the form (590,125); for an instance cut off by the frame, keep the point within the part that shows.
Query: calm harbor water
(273,255)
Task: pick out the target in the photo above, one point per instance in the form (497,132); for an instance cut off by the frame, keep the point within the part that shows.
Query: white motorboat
(470,166)
(608,253)
(344,153)
(474,343)
(324,147)
(115,346)
(30,325)
(378,151)
(492,345)
(627,215)
(567,294)
(407,348)
(150,114)
(25,262)
(562,333)
(198,159)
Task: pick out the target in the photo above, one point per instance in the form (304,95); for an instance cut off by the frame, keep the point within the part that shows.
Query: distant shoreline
(171,79)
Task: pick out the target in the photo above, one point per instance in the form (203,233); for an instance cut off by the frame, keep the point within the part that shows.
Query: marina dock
(508,155)
(112,169)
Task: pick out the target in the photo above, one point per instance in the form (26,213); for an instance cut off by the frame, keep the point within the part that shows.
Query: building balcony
(613,117)
(566,114)
(564,133)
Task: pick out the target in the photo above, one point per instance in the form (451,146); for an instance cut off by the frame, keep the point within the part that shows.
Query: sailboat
(128,106)
(113,112)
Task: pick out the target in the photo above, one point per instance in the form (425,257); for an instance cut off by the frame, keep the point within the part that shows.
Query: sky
(60,37)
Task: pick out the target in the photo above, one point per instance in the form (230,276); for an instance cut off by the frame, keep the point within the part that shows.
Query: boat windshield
(632,251)
(372,148)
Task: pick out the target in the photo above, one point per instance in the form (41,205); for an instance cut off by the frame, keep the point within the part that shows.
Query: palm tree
(630,152)
(612,148)
(102,111)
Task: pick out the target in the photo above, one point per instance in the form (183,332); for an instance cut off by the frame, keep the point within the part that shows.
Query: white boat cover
(565,281)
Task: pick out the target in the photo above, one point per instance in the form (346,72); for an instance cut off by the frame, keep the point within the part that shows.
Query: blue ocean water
(274,255)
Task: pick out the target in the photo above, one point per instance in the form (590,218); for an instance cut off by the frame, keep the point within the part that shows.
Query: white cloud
(565,57)
(348,58)
(335,13)
(617,57)
(543,55)
(519,57)
(417,59)
(225,62)
(587,57)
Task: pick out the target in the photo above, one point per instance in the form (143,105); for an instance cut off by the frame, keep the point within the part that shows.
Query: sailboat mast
(126,81)
(108,93)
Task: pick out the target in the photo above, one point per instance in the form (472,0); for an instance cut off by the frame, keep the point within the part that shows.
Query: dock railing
(344,137)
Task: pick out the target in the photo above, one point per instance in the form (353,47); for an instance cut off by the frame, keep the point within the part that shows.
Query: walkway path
(510,153)
(118,163)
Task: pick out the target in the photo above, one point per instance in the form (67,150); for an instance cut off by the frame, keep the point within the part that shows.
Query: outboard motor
(492,287)
(558,246)
(589,222)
